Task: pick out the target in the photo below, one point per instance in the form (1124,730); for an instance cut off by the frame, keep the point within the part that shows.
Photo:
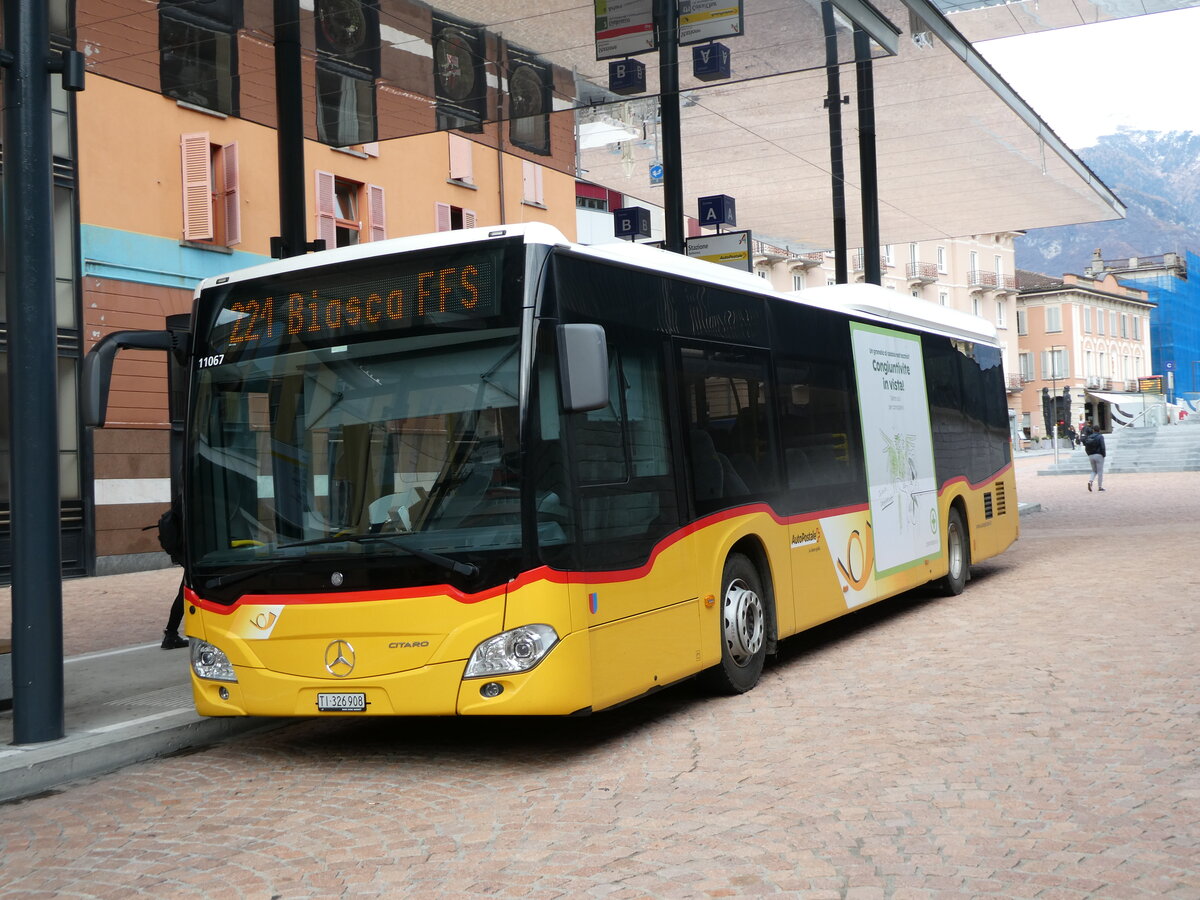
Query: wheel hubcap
(955,548)
(742,622)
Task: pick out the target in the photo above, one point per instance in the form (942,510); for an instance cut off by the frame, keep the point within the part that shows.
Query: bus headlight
(211,662)
(511,651)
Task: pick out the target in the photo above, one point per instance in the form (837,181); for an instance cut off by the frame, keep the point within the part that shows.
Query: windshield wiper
(437,559)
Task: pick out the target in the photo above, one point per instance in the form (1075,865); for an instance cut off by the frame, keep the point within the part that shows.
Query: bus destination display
(328,308)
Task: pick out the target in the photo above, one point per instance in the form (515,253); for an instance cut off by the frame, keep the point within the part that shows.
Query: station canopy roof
(959,152)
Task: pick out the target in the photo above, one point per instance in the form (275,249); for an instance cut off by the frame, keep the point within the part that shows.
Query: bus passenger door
(637,570)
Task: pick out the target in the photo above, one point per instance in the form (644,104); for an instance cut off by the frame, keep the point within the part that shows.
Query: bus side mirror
(583,367)
(97,368)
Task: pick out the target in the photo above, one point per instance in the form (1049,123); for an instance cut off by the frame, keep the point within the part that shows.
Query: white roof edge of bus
(894,306)
(533,232)
(869,300)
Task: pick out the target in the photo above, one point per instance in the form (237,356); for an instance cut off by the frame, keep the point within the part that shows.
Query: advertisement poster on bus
(898,446)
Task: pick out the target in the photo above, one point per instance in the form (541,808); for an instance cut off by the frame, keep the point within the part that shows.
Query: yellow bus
(492,472)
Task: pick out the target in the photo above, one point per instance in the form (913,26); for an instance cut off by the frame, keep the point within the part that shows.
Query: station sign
(710,62)
(627,76)
(631,222)
(719,209)
(731,249)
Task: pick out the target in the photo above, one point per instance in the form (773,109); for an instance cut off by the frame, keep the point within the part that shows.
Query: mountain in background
(1157,176)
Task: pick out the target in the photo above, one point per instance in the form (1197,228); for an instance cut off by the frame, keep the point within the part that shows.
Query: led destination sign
(330,308)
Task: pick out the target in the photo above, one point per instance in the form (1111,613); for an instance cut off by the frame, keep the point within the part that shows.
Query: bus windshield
(366,413)
(411,437)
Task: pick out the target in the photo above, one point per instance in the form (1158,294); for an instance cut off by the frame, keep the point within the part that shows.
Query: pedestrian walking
(170,537)
(1093,446)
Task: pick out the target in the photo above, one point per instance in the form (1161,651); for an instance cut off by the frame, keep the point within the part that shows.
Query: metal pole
(37,654)
(837,169)
(672,150)
(289,129)
(868,173)
(1054,399)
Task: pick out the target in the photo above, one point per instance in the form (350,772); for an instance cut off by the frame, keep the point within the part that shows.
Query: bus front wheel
(743,628)
(958,555)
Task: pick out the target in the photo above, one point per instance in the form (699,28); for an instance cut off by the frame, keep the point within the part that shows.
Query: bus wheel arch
(958,550)
(746,624)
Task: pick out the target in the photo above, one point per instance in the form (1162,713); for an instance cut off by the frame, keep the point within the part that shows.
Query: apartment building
(1085,343)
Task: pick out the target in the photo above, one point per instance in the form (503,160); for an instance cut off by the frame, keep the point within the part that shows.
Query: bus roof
(868,301)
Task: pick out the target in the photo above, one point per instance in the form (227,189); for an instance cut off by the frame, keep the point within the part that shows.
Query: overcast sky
(1140,72)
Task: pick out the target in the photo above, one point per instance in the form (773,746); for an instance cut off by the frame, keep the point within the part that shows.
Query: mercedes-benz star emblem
(339,658)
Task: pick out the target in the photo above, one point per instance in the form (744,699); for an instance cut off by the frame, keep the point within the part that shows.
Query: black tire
(744,628)
(958,553)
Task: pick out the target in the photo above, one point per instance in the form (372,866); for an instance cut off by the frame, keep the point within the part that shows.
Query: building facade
(1084,346)
(1175,325)
(166,172)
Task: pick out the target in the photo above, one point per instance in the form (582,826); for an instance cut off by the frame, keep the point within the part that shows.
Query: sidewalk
(126,699)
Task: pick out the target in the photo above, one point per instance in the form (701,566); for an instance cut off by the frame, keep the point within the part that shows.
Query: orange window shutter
(376,213)
(326,209)
(197,187)
(233,208)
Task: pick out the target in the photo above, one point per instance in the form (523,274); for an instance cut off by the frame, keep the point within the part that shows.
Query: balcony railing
(1015,383)
(981,278)
(925,273)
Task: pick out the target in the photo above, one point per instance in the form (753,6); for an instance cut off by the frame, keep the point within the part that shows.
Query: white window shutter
(441,213)
(326,209)
(531,182)
(233,210)
(197,187)
(462,166)
(468,218)
(376,213)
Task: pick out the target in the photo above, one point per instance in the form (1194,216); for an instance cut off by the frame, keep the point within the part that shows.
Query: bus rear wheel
(958,555)
(743,628)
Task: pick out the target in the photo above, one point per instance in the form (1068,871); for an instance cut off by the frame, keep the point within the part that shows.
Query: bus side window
(816,431)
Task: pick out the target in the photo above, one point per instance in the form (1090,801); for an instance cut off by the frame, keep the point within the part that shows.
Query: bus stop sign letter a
(631,222)
(717,210)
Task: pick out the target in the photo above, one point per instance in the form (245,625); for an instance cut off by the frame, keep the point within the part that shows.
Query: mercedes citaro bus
(493,472)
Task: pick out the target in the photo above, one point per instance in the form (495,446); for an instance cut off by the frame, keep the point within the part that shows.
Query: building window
(941,261)
(761,273)
(1001,321)
(1053,318)
(944,298)
(452,218)
(975,306)
(197,48)
(1087,320)
(211,196)
(531,184)
(889,255)
(1124,326)
(459,76)
(1025,360)
(1137,328)
(345,106)
(530,98)
(1022,322)
(912,254)
(798,281)
(1099,321)
(1054,363)
(341,205)
(599,203)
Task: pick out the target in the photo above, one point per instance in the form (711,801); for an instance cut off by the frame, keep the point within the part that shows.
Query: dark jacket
(1094,443)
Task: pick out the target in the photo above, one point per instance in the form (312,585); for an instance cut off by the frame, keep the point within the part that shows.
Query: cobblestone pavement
(1034,737)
